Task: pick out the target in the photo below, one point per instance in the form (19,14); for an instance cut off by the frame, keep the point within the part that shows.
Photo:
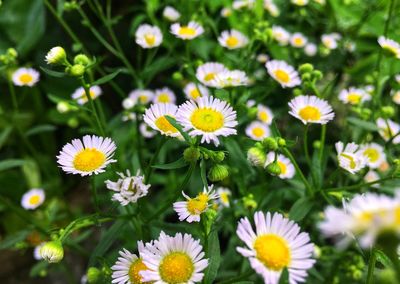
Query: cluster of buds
(58,56)
(257,154)
(9,58)
(263,32)
(309,77)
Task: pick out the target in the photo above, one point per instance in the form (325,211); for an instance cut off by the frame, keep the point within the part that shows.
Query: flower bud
(219,156)
(218,172)
(387,111)
(317,74)
(177,76)
(270,144)
(249,202)
(281,142)
(56,55)
(252,112)
(274,169)
(386,276)
(52,251)
(191,154)
(297,92)
(82,59)
(11,52)
(256,156)
(73,122)
(93,275)
(63,107)
(306,77)
(77,70)
(306,68)
(128,103)
(210,216)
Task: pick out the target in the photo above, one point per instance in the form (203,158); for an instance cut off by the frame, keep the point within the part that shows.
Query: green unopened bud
(93,275)
(306,77)
(218,172)
(387,111)
(82,59)
(73,122)
(306,68)
(317,144)
(365,113)
(191,154)
(177,76)
(77,70)
(386,276)
(252,112)
(12,52)
(52,252)
(219,156)
(63,107)
(297,92)
(210,216)
(249,202)
(317,74)
(56,55)
(317,251)
(270,144)
(256,156)
(281,142)
(274,169)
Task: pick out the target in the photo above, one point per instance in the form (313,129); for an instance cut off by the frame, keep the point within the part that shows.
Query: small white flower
(310,49)
(224,196)
(281,35)
(388,129)
(232,39)
(230,78)
(257,130)
(300,2)
(155,118)
(298,40)
(354,96)
(164,95)
(80,97)
(395,96)
(194,91)
(189,32)
(372,176)
(25,77)
(262,58)
(148,36)
(33,198)
(350,157)
(311,109)
(286,166)
(375,154)
(171,14)
(226,12)
(283,73)
(330,41)
(270,6)
(390,45)
(141,96)
(206,73)
(264,114)
(56,55)
(240,4)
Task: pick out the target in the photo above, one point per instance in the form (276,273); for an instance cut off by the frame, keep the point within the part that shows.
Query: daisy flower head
(285,165)
(272,9)
(206,73)
(281,35)
(240,4)
(188,32)
(155,117)
(174,259)
(88,156)
(300,2)
(33,198)
(276,244)
(148,36)
(354,96)
(230,78)
(56,55)
(191,209)
(232,39)
(257,130)
(194,91)
(374,153)
(146,131)
(350,157)
(171,14)
(224,196)
(141,96)
(264,114)
(330,41)
(262,58)
(390,46)
(397,78)
(164,95)
(128,189)
(80,97)
(395,96)
(283,73)
(128,267)
(310,49)
(207,117)
(226,12)
(311,109)
(25,77)
(388,129)
(298,40)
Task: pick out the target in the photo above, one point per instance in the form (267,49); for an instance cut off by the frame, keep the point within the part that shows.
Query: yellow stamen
(187,31)
(372,154)
(298,41)
(175,268)
(354,98)
(282,76)
(194,94)
(351,159)
(310,113)
(283,167)
(207,119)
(150,39)
(232,41)
(258,132)
(273,251)
(88,160)
(34,199)
(26,78)
(163,124)
(164,98)
(134,270)
(209,77)
(263,116)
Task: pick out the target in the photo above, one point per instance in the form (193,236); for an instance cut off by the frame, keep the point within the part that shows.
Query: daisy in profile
(88,156)
(56,55)
(330,41)
(264,114)
(191,209)
(128,189)
(230,78)
(206,73)
(226,12)
(155,118)
(178,259)
(388,129)
(207,117)
(281,35)
(189,32)
(148,36)
(141,96)
(298,40)
(375,154)
(232,39)
(171,14)
(194,91)
(33,198)
(224,195)
(286,166)
(300,2)
(350,157)
(272,9)
(164,95)
(283,73)
(354,96)
(310,49)
(241,4)
(128,267)
(372,176)
(36,251)
(80,97)
(25,77)
(146,131)
(397,78)
(257,130)
(390,46)
(311,109)
(395,96)
(276,244)
(262,58)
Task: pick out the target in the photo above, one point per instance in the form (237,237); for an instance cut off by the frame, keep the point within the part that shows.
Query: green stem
(306,145)
(150,169)
(322,142)
(371,267)
(94,192)
(356,186)
(13,96)
(244,276)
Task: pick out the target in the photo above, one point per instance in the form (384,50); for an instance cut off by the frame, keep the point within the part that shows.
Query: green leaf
(12,239)
(284,277)
(300,209)
(106,78)
(203,173)
(367,125)
(38,268)
(52,73)
(383,258)
(180,163)
(179,127)
(11,163)
(4,135)
(214,256)
(40,129)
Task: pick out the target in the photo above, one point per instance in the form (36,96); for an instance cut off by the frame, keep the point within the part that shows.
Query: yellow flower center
(397,216)
(282,76)
(387,133)
(143,99)
(273,251)
(207,119)
(263,116)
(34,200)
(372,154)
(195,93)
(187,31)
(88,160)
(391,49)
(163,124)
(232,41)
(224,197)
(354,98)
(150,39)
(164,98)
(310,113)
(209,77)
(134,270)
(196,206)
(258,132)
(26,78)
(84,97)
(298,41)
(176,267)
(283,167)
(351,159)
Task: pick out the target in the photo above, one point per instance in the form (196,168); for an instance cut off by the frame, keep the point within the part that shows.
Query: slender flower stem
(244,276)
(306,145)
(149,169)
(94,192)
(13,96)
(322,142)
(356,186)
(371,267)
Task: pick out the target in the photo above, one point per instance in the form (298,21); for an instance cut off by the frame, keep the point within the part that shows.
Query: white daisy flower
(283,73)
(226,12)
(264,114)
(86,157)
(155,118)
(397,78)
(372,176)
(370,89)
(128,189)
(276,244)
(80,97)
(354,96)
(375,154)
(164,95)
(310,49)
(127,116)
(148,36)
(191,209)
(233,39)
(128,103)
(300,2)
(388,129)
(25,77)
(178,259)
(390,45)
(189,32)
(262,58)
(206,73)
(395,96)
(321,2)
(171,14)
(257,130)
(194,91)
(141,96)
(146,131)
(286,166)
(224,196)
(128,267)
(240,4)
(281,35)
(272,9)
(330,41)
(230,78)
(33,198)
(209,118)
(298,40)
(350,157)
(36,251)
(311,109)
